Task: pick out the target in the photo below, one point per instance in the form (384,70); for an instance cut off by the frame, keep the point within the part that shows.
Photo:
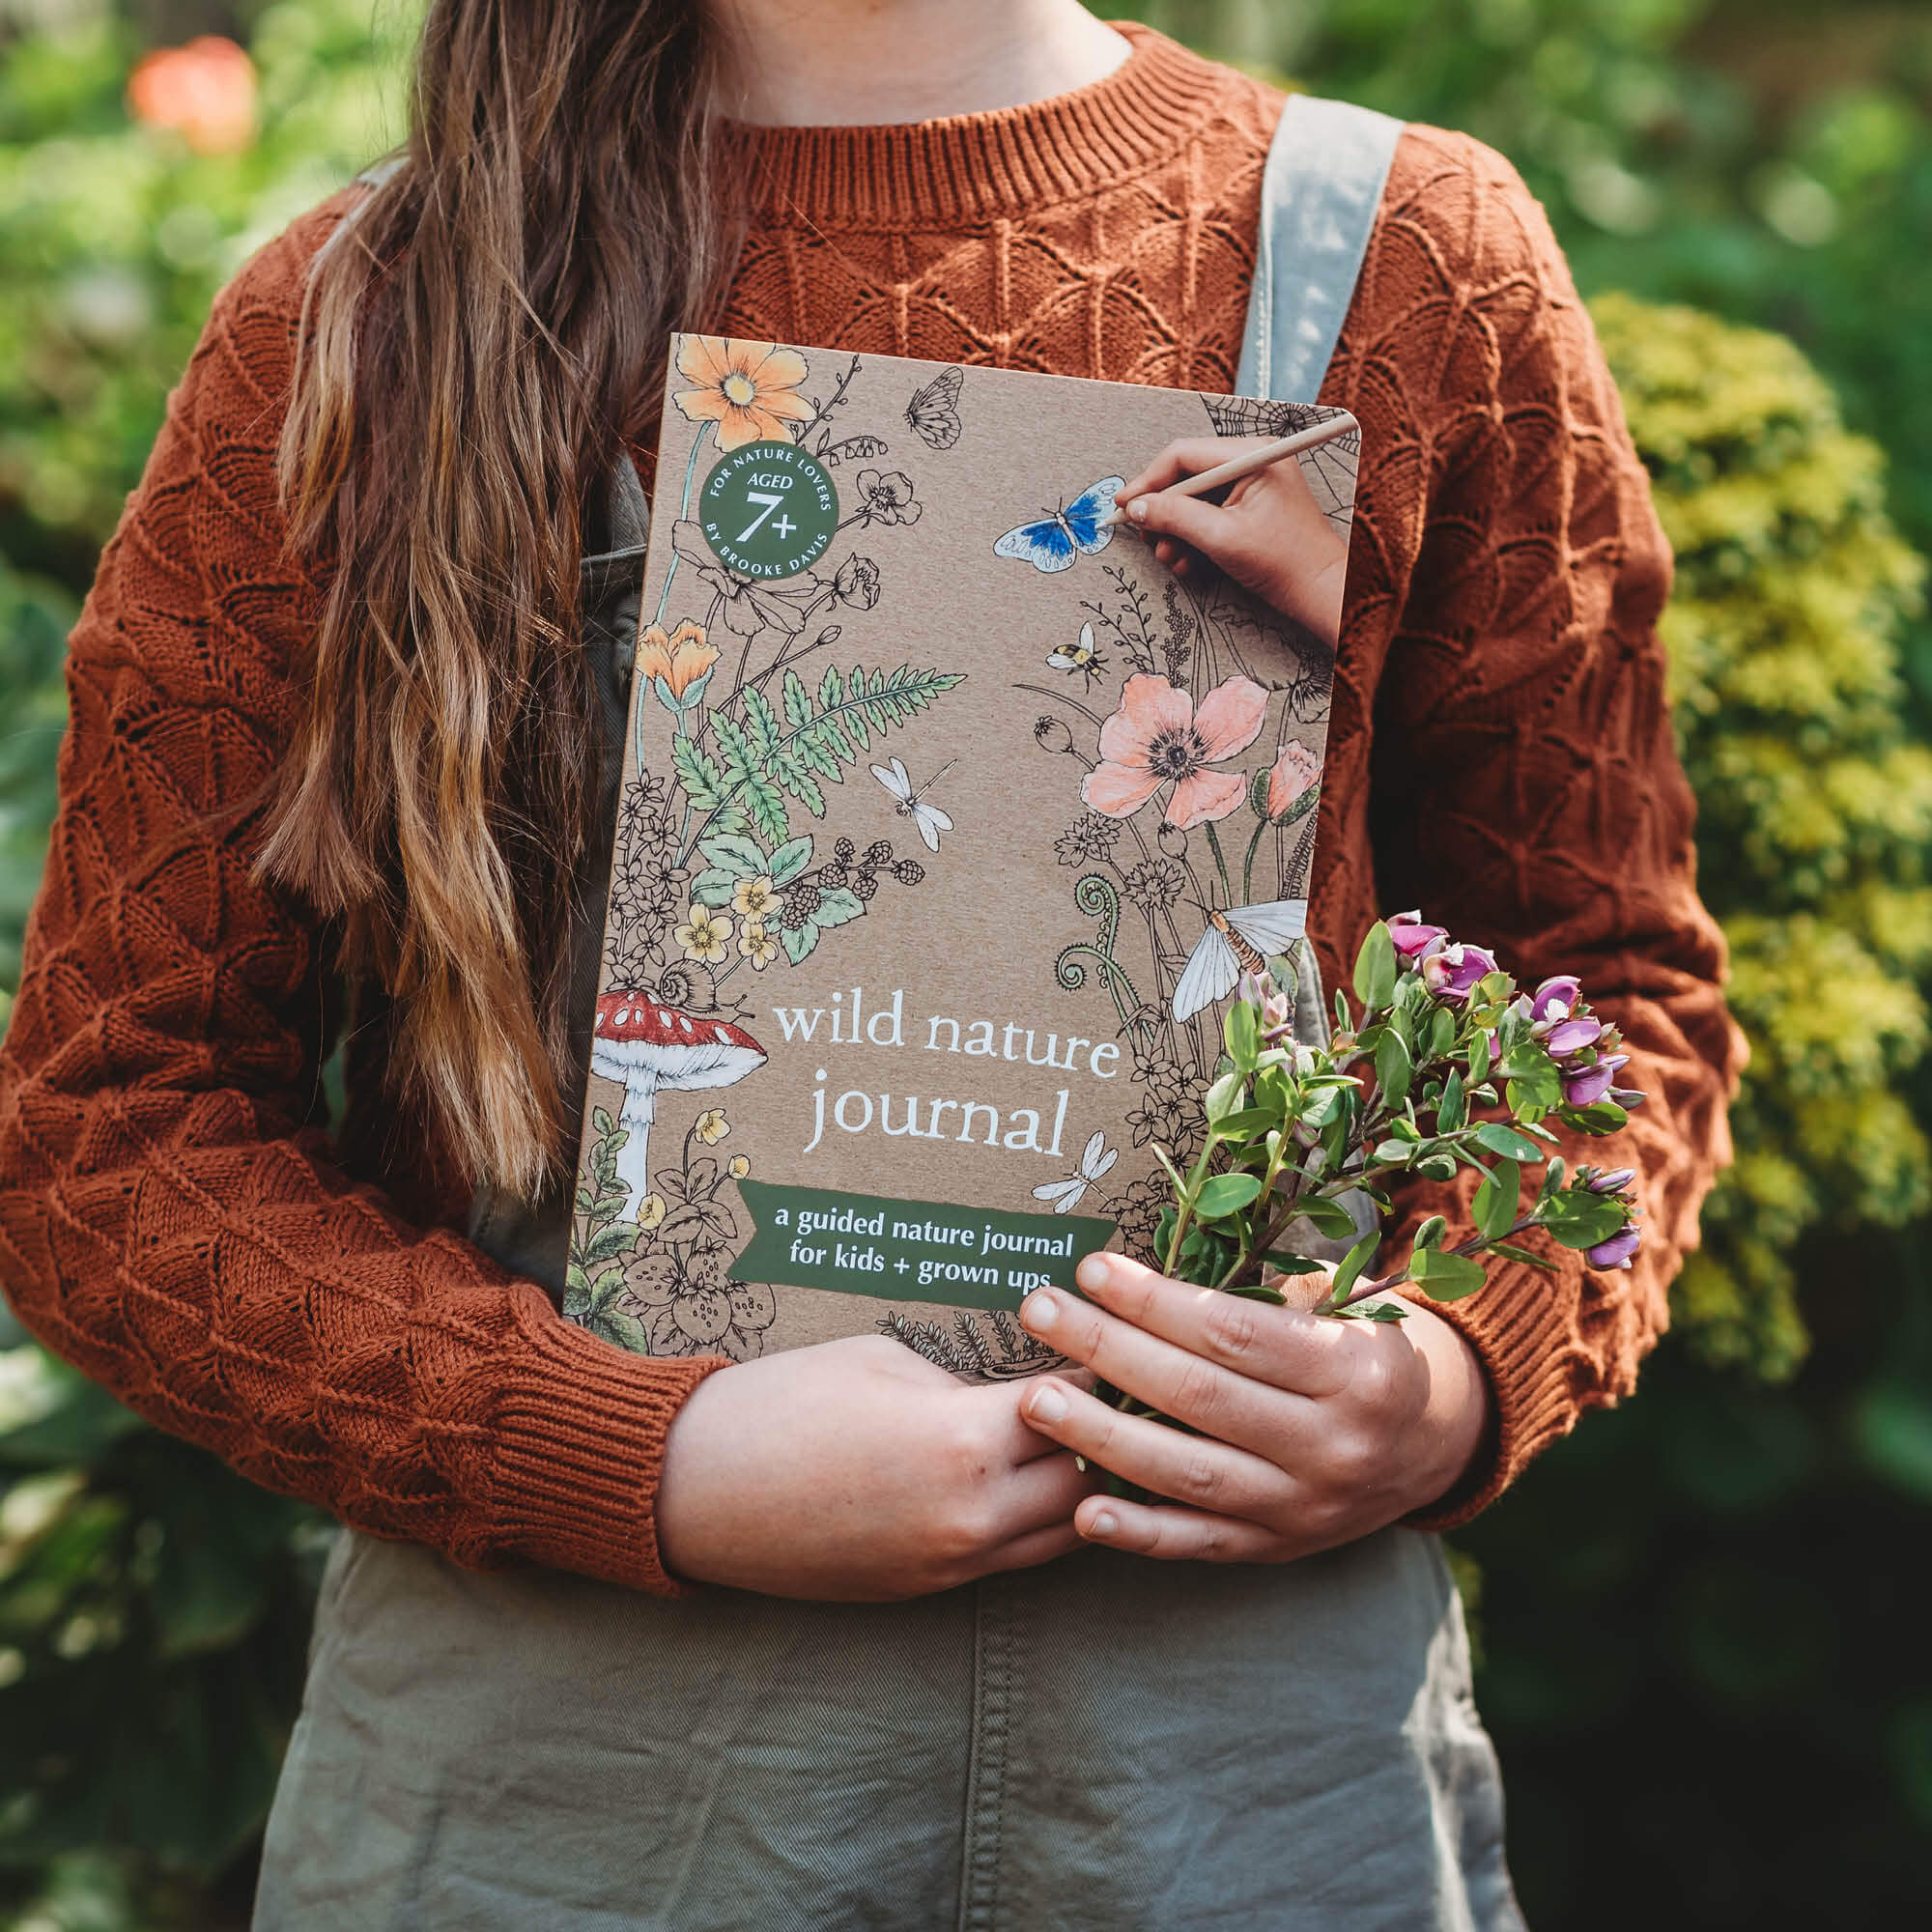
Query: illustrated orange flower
(678,661)
(750,389)
(1157,737)
(203,91)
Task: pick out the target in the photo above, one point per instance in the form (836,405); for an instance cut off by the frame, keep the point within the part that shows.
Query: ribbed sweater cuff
(1519,1324)
(580,1431)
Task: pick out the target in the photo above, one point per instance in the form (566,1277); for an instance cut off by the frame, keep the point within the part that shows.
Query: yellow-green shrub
(1815,808)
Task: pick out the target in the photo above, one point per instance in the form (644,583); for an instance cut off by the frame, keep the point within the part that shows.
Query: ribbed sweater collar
(972,167)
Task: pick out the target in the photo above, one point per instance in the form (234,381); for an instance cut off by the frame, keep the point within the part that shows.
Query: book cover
(949,818)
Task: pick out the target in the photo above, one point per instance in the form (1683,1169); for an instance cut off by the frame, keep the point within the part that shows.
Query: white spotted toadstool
(653,1048)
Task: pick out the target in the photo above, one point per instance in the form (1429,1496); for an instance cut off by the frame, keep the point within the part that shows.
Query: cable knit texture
(175,1220)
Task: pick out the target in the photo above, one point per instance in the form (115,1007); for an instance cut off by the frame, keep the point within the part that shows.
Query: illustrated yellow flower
(750,389)
(680,659)
(704,935)
(712,1127)
(650,1210)
(754,898)
(737,1167)
(759,944)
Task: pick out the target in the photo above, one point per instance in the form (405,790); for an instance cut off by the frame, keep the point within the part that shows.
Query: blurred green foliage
(1814,806)
(1697,1652)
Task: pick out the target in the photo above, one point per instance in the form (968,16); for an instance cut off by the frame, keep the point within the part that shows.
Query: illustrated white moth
(1242,936)
(911,803)
(1095,1162)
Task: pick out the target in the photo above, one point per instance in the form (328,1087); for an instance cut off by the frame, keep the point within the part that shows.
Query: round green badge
(769,509)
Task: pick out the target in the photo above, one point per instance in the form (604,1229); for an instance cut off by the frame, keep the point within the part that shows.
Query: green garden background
(1700,1654)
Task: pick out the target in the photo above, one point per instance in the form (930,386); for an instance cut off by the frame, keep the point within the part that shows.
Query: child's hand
(1268,535)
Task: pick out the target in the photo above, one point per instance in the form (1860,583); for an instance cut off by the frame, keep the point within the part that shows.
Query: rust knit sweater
(174,1220)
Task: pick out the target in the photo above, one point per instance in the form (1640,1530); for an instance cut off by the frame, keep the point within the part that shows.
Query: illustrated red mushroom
(653,1048)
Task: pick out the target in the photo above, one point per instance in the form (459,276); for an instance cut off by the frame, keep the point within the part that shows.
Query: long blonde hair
(479,342)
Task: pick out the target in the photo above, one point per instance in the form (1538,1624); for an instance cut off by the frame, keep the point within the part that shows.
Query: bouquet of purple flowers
(1447,1066)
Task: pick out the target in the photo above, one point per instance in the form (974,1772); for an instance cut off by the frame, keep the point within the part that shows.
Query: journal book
(949,820)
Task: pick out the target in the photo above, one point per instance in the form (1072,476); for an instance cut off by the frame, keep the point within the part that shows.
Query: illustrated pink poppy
(1158,737)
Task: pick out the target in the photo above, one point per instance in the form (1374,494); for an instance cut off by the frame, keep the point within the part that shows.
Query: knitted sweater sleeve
(1527,790)
(168,1222)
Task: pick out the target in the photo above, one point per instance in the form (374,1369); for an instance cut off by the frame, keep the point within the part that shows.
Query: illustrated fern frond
(819,735)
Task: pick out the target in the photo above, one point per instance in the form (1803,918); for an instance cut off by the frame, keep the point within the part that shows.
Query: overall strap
(1320,188)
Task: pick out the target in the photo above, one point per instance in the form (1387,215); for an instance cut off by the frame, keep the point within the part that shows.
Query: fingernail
(1138,509)
(1093,1271)
(1048,1404)
(1106,1523)
(1039,1310)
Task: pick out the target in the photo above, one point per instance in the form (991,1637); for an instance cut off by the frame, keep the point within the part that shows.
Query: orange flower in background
(203,91)
(750,389)
(680,659)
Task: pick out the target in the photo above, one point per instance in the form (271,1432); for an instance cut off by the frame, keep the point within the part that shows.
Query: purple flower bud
(1412,937)
(1614,1181)
(1452,972)
(1556,998)
(1628,1097)
(1616,1252)
(1568,1037)
(1590,1084)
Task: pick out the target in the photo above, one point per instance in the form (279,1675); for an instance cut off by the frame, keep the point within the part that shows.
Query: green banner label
(910,1250)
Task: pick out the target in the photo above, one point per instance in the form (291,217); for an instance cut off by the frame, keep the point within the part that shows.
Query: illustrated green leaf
(794,774)
(617,1240)
(797,700)
(836,906)
(797,940)
(733,748)
(621,1327)
(702,783)
(790,859)
(731,852)
(764,729)
(1224,1194)
(768,809)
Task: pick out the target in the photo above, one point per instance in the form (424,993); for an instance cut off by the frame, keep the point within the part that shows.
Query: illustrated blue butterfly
(1056,539)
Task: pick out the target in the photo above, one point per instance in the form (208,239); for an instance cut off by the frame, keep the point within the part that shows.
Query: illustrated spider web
(1329,470)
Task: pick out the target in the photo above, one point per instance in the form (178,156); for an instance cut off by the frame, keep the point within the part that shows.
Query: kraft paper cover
(949,820)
